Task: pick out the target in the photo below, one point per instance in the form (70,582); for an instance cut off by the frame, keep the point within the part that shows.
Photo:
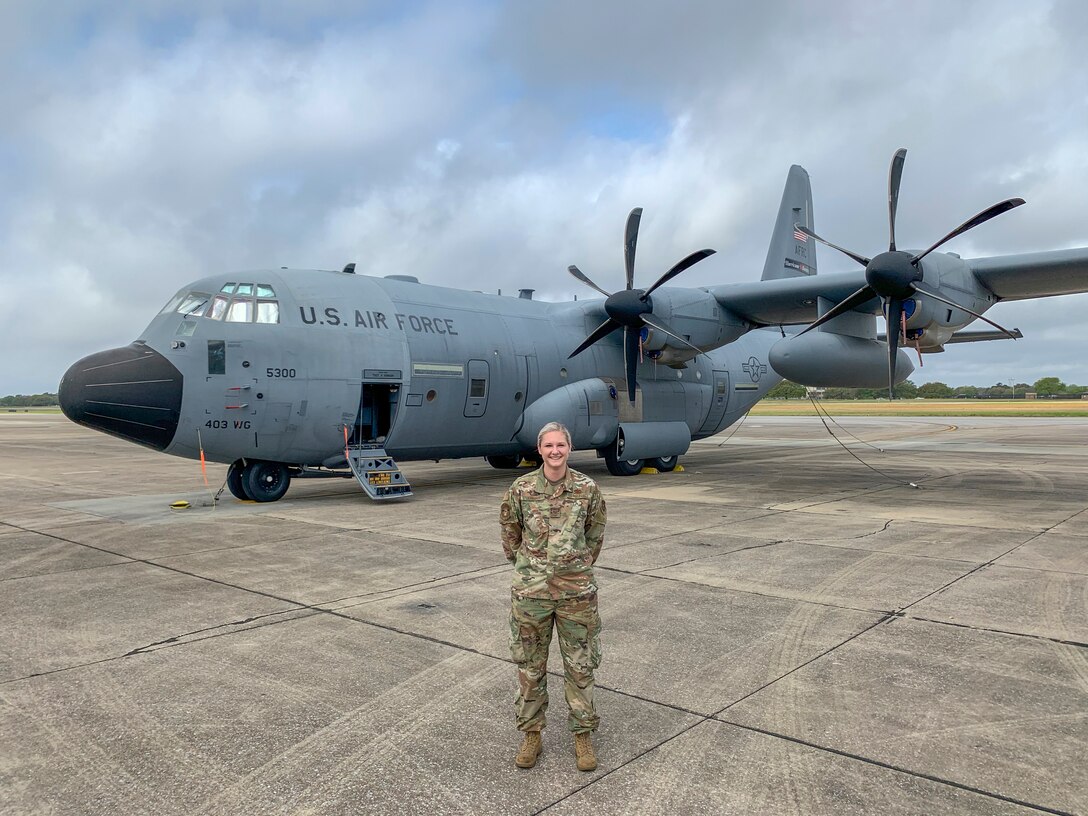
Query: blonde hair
(554,426)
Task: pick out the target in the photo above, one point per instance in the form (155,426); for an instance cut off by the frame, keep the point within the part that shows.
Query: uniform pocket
(595,642)
(517,649)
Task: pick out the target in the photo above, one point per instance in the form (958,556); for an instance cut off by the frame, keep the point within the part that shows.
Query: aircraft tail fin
(792,254)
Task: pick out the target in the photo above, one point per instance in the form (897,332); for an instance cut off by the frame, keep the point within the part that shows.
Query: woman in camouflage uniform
(552,529)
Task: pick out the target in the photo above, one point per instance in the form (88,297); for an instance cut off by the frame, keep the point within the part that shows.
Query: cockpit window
(268,311)
(173,304)
(241,308)
(193,303)
(240,311)
(219,307)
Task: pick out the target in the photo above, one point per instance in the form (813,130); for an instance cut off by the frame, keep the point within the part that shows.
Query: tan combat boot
(583,750)
(530,749)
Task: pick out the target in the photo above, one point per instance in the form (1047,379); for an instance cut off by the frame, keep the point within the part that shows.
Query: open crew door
(377,473)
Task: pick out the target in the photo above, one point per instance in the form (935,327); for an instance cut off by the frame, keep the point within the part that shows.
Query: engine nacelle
(695,315)
(588,408)
(931,323)
(836,360)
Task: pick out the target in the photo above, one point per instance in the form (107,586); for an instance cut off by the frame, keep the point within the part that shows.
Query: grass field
(929,407)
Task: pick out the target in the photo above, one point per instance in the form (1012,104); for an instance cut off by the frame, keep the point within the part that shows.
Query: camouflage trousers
(578,624)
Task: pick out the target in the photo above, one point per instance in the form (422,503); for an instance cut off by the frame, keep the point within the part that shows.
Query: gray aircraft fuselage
(460,368)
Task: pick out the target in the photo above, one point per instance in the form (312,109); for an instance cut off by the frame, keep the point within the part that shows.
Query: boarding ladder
(377,472)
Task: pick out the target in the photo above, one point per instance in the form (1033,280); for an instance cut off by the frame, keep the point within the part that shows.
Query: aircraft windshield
(234,303)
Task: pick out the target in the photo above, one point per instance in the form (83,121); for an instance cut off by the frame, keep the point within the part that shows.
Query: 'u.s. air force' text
(421,324)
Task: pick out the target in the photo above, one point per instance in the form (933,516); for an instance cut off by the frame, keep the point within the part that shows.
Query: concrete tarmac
(788,630)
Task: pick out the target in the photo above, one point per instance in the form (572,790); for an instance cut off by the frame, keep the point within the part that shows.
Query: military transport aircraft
(292,373)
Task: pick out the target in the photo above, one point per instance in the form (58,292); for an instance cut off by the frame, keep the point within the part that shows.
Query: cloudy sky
(490,144)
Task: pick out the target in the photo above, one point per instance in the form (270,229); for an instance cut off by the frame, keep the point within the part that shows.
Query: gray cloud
(489,145)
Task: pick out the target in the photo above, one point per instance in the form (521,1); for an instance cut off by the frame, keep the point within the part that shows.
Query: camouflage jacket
(553,534)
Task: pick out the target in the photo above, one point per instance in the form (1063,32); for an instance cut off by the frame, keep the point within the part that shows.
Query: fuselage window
(219,307)
(265,291)
(244,289)
(241,310)
(477,388)
(217,357)
(193,303)
(268,311)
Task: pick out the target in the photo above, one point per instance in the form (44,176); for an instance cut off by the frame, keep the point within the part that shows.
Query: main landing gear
(258,480)
(619,466)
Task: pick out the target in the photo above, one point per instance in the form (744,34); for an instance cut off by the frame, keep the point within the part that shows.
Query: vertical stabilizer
(792,253)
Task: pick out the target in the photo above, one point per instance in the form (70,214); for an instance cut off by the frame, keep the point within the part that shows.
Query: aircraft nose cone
(132,392)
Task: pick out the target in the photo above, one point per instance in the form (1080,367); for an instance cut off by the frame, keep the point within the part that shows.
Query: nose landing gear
(258,480)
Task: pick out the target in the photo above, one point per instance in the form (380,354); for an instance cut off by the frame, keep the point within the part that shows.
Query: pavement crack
(220,628)
(1078,644)
(898,769)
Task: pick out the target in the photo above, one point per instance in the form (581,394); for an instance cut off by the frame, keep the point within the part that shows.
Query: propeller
(630,308)
(895,275)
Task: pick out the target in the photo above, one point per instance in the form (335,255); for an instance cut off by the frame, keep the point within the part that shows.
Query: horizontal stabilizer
(978,336)
(972,337)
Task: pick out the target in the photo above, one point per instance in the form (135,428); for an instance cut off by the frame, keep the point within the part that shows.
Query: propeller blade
(661,326)
(677,268)
(630,240)
(860,296)
(971,223)
(922,290)
(859,258)
(895,175)
(895,311)
(600,332)
(630,357)
(578,273)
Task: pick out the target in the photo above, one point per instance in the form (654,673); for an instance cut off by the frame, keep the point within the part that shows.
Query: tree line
(1050,387)
(1046,387)
(29,401)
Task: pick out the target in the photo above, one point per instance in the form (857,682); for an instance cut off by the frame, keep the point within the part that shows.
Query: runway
(790,628)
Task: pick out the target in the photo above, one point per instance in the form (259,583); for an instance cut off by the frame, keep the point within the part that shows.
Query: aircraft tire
(664,464)
(235,483)
(621,467)
(504,461)
(266,481)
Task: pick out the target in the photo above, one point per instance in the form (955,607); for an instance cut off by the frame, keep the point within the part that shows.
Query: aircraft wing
(1010,277)
(1036,274)
(789,300)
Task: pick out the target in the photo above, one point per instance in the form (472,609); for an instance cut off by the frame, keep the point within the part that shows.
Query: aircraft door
(719,401)
(478,386)
(377,411)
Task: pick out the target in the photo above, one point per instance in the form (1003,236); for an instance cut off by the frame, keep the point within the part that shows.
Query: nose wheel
(235,484)
(257,480)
